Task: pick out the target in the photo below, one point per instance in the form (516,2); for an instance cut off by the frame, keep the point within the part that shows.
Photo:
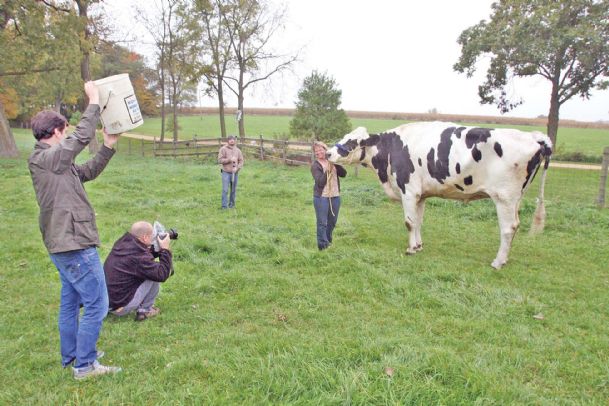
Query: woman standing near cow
(326,193)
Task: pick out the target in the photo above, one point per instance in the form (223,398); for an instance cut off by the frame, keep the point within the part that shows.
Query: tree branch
(54,7)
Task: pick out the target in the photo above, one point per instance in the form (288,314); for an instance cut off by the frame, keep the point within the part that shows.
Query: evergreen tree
(318,115)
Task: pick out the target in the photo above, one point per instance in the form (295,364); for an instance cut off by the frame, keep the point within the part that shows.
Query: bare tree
(177,52)
(160,36)
(251,25)
(206,19)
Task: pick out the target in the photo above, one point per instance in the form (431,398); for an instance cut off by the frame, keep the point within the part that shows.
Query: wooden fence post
(285,152)
(174,148)
(602,188)
(261,148)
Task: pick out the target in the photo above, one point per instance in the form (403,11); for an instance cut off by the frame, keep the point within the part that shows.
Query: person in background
(69,231)
(231,159)
(326,193)
(132,274)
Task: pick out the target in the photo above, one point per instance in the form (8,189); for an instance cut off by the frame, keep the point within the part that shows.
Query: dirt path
(568,165)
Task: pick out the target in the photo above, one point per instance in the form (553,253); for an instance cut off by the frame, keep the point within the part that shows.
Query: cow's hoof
(497,264)
(411,251)
(418,248)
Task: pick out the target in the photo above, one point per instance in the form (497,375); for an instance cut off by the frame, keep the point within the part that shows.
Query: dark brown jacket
(67,220)
(129,264)
(319,175)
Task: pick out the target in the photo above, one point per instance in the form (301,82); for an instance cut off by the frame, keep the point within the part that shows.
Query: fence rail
(285,151)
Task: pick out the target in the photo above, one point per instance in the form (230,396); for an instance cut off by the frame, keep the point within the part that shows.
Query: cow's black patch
(372,140)
(458,168)
(420,162)
(438,169)
(532,167)
(498,149)
(469,180)
(458,131)
(476,136)
(476,154)
(392,151)
(459,187)
(362,155)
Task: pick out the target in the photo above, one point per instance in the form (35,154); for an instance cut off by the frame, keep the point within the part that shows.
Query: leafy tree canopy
(566,42)
(317,110)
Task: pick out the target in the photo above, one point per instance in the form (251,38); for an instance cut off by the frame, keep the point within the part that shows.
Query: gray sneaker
(94,370)
(100,354)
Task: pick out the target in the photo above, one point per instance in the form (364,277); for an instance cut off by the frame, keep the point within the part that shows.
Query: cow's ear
(370,141)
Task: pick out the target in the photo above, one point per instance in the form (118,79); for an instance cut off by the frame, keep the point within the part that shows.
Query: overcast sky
(393,55)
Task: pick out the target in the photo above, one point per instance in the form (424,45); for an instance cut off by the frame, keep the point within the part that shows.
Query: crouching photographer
(133,276)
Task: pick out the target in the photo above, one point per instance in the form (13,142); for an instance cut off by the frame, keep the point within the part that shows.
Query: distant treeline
(460,118)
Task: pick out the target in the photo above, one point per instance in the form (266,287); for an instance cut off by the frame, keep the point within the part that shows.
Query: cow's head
(351,149)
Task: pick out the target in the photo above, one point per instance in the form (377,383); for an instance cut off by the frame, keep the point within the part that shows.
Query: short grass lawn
(255,314)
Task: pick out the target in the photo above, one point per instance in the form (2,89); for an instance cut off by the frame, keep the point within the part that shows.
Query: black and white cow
(420,160)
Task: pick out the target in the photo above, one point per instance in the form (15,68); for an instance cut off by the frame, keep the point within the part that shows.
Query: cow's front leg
(507,214)
(409,204)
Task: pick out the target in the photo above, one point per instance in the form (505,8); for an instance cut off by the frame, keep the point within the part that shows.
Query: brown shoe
(141,316)
(153,311)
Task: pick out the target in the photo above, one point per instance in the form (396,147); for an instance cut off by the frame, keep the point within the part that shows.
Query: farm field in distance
(255,314)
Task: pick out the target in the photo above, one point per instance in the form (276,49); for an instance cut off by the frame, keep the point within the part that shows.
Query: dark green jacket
(67,219)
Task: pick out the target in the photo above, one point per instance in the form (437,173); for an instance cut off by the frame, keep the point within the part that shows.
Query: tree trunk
(162,83)
(8,148)
(553,115)
(57,107)
(174,102)
(221,108)
(242,118)
(240,97)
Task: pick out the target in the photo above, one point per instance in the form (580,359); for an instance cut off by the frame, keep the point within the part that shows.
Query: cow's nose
(328,155)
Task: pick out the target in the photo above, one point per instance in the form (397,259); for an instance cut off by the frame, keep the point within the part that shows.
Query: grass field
(586,141)
(256,315)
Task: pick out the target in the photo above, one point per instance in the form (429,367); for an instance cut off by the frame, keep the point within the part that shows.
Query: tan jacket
(67,219)
(226,156)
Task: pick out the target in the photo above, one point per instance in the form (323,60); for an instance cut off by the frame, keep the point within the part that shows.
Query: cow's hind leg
(507,214)
(420,213)
(409,204)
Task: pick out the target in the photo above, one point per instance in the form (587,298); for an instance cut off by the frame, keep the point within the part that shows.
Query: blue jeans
(82,282)
(229,182)
(326,221)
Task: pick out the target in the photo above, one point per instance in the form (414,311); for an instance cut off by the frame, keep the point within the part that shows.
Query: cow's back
(466,163)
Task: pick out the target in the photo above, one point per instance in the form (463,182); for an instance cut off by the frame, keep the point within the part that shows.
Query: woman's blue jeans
(229,182)
(326,221)
(82,282)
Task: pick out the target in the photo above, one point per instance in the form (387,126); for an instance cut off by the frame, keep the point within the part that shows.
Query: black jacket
(320,177)
(129,264)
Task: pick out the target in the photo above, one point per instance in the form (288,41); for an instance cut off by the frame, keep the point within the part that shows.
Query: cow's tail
(539,218)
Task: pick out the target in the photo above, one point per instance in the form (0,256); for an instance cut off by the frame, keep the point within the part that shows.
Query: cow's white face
(349,149)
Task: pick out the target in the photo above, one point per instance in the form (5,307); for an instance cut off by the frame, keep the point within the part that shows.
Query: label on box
(133,108)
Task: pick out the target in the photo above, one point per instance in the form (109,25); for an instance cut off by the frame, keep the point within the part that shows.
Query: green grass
(256,315)
(588,142)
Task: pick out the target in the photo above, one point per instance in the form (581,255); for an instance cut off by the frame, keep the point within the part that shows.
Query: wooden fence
(286,152)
